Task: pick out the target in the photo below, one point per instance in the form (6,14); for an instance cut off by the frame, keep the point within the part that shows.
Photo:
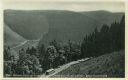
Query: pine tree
(109,39)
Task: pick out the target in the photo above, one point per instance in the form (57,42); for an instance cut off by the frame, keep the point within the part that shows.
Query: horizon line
(61,10)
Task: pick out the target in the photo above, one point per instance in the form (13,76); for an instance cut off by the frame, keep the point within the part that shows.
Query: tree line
(108,39)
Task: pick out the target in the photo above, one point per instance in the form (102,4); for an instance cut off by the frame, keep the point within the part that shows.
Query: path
(63,67)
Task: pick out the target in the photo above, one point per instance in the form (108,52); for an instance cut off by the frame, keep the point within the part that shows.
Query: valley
(62,43)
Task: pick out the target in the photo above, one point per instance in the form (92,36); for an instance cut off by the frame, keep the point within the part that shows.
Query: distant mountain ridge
(104,17)
(60,25)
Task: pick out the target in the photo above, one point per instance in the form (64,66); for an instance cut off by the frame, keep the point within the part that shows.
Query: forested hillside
(108,39)
(58,24)
(69,36)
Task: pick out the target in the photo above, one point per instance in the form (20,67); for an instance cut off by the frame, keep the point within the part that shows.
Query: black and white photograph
(64,39)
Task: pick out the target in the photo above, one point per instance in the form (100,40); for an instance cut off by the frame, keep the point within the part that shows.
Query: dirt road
(63,67)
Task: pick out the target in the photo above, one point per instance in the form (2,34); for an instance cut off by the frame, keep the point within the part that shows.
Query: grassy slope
(30,25)
(11,38)
(111,65)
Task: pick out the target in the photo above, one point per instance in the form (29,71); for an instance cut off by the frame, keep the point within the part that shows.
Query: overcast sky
(65,5)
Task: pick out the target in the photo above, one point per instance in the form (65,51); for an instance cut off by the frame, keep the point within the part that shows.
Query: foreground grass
(110,65)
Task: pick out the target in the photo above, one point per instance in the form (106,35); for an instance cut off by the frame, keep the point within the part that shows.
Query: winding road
(63,67)
(23,43)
